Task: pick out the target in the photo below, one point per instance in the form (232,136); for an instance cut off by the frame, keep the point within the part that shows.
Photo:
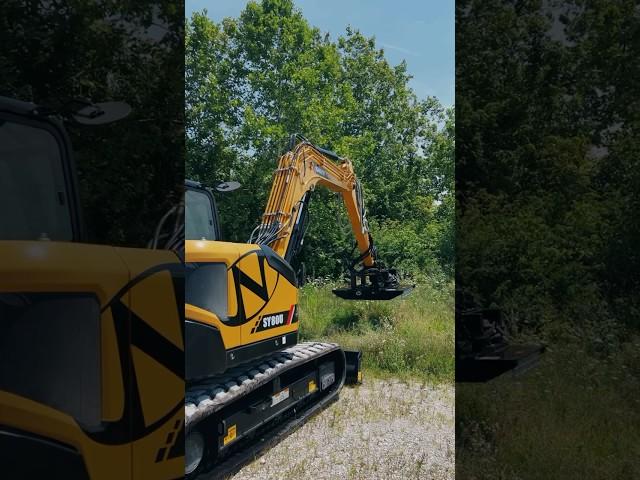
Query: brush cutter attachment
(483,351)
(373,283)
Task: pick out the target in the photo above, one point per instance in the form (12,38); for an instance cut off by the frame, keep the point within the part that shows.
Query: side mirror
(227,186)
(100,113)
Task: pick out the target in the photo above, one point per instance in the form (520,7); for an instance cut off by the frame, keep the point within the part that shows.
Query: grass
(381,429)
(399,422)
(573,416)
(409,337)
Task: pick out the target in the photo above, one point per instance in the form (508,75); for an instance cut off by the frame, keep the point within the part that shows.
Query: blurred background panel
(547,331)
(59,53)
(91,232)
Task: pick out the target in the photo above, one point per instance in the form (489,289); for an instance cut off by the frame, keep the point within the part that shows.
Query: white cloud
(400,49)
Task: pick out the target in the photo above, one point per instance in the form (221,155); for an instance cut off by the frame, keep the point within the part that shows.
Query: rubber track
(209,396)
(267,438)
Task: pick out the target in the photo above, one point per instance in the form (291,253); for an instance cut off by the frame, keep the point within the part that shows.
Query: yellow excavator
(91,336)
(247,376)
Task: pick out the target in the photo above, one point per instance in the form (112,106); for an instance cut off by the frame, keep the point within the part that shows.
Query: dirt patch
(379,430)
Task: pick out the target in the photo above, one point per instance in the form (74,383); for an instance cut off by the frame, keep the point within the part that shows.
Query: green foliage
(538,427)
(407,337)
(546,219)
(254,80)
(547,224)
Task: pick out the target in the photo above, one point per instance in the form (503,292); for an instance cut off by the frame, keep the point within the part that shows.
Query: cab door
(62,375)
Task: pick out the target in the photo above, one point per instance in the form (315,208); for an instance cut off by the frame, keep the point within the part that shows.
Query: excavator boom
(299,171)
(284,221)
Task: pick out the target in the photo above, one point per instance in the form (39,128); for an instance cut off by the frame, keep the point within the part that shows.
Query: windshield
(33,199)
(200,216)
(50,348)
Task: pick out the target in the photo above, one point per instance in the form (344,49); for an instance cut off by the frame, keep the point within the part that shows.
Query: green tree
(254,80)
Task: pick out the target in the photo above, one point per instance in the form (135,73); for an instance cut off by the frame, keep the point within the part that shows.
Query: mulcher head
(367,293)
(483,351)
(374,284)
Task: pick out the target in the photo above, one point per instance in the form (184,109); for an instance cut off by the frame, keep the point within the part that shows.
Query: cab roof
(17,106)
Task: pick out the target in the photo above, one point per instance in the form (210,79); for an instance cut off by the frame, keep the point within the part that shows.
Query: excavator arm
(284,221)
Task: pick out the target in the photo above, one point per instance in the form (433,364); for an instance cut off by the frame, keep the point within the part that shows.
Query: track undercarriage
(227,416)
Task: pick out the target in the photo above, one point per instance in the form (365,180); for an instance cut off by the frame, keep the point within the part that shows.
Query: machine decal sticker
(291,315)
(259,289)
(279,397)
(274,320)
(132,330)
(271,320)
(231,435)
(174,443)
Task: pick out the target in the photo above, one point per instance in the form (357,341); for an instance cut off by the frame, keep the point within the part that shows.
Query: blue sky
(418,31)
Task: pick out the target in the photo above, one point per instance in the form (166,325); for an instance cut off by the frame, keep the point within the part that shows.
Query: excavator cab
(201,216)
(38,199)
(85,328)
(201,221)
(38,187)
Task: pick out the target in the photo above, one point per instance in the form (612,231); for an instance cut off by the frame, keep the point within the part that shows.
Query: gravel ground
(378,430)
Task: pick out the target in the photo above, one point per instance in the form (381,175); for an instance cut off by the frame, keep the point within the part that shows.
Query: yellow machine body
(139,432)
(259,313)
(91,336)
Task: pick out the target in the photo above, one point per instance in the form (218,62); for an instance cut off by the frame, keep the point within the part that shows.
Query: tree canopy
(547,222)
(252,81)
